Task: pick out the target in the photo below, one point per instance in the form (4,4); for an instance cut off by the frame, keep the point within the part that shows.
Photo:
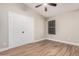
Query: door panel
(22,29)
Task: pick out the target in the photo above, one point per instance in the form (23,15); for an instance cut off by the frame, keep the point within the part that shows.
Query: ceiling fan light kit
(45,4)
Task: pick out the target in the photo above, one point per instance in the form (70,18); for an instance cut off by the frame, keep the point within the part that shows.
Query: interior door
(22,29)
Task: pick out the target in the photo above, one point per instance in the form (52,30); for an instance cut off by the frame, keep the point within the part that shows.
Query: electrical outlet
(78,40)
(69,38)
(4,43)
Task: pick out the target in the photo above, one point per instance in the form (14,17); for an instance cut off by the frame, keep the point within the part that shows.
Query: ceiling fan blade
(52,4)
(38,6)
(46,9)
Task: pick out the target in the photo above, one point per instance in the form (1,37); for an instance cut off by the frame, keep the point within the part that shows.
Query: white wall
(67,27)
(20,9)
(3,29)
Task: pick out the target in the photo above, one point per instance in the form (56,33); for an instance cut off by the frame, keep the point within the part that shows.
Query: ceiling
(52,11)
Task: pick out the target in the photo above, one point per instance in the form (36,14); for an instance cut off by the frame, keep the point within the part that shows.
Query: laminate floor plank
(43,48)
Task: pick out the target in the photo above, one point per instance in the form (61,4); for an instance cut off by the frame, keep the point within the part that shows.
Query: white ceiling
(52,11)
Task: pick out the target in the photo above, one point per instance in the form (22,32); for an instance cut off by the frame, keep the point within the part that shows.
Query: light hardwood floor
(43,48)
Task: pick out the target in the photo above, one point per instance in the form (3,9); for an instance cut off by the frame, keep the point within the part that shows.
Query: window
(51,27)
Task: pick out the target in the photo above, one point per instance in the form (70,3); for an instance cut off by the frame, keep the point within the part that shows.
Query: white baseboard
(39,40)
(71,43)
(4,49)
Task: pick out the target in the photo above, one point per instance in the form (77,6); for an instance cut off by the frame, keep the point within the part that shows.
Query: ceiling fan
(45,4)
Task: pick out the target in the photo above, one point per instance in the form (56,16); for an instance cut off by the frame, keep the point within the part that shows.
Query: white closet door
(23,29)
